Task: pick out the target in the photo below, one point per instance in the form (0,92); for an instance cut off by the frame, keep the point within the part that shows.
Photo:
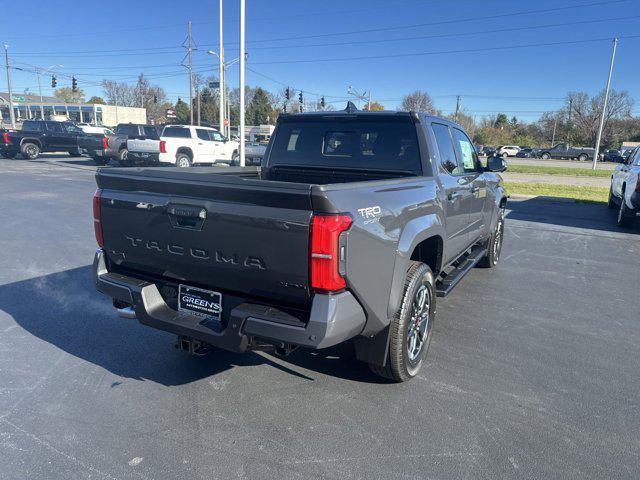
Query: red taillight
(105,143)
(163,146)
(5,138)
(327,260)
(97,226)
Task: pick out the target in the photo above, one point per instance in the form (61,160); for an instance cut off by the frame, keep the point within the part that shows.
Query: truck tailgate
(143,145)
(215,231)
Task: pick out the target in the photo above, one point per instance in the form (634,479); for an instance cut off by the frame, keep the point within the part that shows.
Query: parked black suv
(38,136)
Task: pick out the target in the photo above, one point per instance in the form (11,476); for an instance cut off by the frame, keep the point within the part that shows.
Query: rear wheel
(30,150)
(183,160)
(123,155)
(582,158)
(545,156)
(494,245)
(235,159)
(411,327)
(75,152)
(505,155)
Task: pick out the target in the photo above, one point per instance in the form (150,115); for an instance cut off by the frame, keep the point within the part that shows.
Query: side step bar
(451,279)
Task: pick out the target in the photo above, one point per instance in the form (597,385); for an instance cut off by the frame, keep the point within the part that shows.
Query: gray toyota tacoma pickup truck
(348,231)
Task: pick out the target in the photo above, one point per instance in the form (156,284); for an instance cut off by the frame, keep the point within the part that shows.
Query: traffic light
(155,99)
(284,107)
(301,97)
(322,102)
(54,81)
(287,94)
(74,84)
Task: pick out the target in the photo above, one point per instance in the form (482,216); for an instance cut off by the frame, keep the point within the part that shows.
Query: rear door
(457,189)
(221,150)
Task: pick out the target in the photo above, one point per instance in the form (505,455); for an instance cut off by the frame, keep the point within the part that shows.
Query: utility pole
(40,91)
(241,75)
(369,102)
(6,61)
(555,124)
(198,101)
(569,124)
(455,117)
(604,106)
(221,76)
(189,47)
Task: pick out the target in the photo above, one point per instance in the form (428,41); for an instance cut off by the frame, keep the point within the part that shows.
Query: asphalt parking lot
(532,373)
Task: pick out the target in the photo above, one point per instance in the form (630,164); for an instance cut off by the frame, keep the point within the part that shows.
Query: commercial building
(28,107)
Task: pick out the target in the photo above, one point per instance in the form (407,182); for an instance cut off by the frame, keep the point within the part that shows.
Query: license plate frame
(199,302)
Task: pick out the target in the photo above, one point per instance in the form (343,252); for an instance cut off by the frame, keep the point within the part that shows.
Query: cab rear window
(371,144)
(176,132)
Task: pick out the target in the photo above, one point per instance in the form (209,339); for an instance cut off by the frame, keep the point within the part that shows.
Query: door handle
(475,189)
(453,195)
(200,143)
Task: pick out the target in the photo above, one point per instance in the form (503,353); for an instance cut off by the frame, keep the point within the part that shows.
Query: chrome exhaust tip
(126,312)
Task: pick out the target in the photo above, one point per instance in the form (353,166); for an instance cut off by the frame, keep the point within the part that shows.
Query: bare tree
(119,93)
(418,101)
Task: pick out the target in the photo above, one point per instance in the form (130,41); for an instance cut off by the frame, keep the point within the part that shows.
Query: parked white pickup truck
(185,145)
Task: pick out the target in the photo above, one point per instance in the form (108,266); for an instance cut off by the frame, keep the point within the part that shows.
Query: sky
(516,57)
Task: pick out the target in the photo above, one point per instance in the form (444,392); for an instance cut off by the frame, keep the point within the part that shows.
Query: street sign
(18,98)
(214,84)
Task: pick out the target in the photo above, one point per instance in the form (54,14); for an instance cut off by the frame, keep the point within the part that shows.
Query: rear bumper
(99,152)
(138,158)
(332,320)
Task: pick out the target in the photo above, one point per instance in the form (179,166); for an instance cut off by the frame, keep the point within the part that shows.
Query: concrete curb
(542,198)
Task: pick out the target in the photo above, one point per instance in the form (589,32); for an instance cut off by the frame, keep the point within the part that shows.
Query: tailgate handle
(186,216)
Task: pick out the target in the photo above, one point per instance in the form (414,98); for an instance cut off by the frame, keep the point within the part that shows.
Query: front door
(221,151)
(472,168)
(56,140)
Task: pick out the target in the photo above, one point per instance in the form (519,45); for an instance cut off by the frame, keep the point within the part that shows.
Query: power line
(444,22)
(445,35)
(442,52)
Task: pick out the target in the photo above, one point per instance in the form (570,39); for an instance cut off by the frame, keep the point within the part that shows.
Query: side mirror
(496,164)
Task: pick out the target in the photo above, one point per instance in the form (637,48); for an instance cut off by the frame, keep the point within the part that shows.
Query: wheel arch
(186,150)
(31,140)
(417,241)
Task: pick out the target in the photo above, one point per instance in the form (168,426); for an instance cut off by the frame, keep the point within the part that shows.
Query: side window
(445,147)
(466,152)
(203,134)
(636,157)
(216,136)
(54,127)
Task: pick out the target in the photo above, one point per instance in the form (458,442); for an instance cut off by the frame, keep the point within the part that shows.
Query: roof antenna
(351,108)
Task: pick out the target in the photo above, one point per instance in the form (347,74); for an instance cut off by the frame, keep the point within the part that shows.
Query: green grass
(579,172)
(585,194)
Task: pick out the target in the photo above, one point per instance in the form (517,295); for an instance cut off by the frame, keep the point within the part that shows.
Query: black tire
(405,358)
(626,216)
(30,150)
(235,159)
(582,158)
(494,245)
(100,161)
(505,155)
(123,155)
(545,156)
(183,160)
(9,154)
(611,202)
(75,153)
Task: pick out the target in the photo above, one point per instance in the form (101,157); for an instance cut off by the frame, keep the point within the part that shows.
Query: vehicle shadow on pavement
(590,215)
(66,311)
